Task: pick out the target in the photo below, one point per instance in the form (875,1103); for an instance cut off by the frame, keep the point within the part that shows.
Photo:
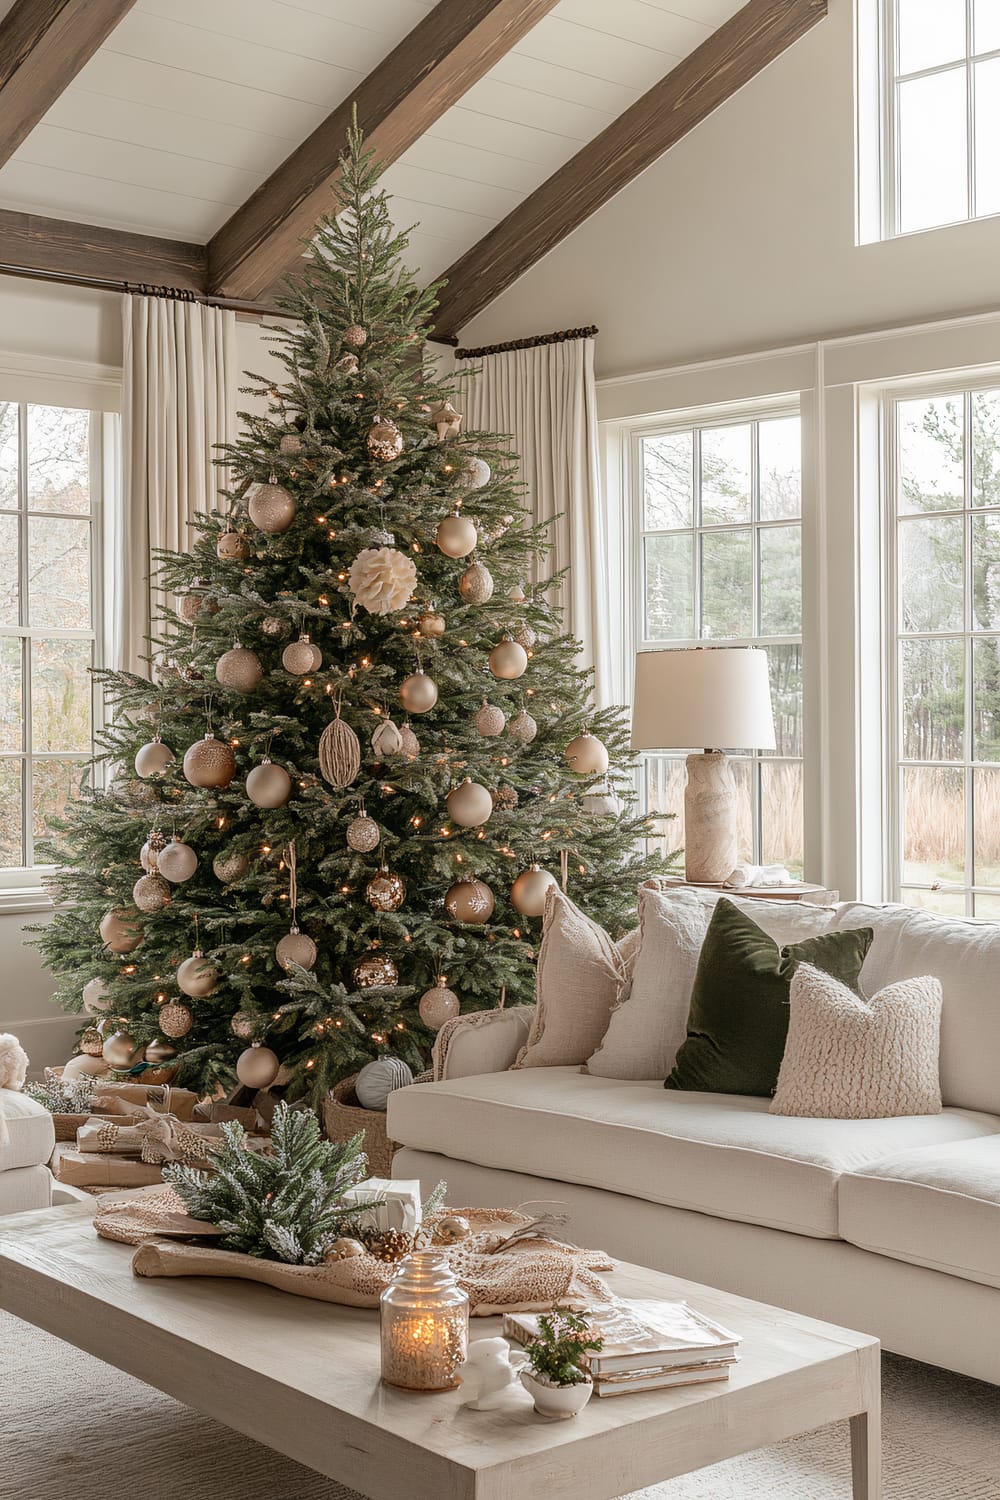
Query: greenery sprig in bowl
(557,1376)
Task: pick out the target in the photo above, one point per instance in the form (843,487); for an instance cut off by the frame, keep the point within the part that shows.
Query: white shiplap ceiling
(190,104)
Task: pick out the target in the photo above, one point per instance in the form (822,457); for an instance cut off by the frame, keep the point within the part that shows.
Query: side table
(816,895)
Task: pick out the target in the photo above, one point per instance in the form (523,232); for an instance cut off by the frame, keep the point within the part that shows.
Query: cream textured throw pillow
(848,1058)
(581,974)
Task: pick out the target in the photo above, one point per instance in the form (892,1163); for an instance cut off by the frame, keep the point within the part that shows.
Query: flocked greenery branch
(72,1097)
(559,1352)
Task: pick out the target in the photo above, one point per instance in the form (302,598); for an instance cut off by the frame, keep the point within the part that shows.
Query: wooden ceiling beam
(43,46)
(441,58)
(60,249)
(703,80)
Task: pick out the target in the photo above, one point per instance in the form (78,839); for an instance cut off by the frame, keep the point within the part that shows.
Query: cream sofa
(891,1226)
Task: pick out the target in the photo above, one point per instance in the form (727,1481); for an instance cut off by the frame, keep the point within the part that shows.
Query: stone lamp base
(710,845)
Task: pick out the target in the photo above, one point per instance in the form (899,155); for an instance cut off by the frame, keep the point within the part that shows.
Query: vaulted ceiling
(191,142)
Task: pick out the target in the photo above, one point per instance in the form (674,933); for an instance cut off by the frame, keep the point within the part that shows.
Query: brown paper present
(179,1102)
(88,1169)
(217,1111)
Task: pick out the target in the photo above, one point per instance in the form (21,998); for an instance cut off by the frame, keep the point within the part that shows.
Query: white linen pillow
(649,1021)
(848,1058)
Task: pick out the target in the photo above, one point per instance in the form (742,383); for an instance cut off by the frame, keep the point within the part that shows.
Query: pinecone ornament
(389,1245)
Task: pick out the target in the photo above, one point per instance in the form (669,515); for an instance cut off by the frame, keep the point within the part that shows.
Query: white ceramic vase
(557,1401)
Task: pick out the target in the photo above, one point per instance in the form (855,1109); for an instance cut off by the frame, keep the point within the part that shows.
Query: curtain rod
(537,342)
(111,284)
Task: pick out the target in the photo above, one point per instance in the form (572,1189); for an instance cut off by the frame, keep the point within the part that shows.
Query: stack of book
(647,1345)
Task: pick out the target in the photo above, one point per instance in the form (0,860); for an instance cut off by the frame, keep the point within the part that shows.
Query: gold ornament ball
(197,976)
(469,804)
(476,584)
(418,693)
(120,1050)
(153,759)
(96,997)
(456,536)
(271,508)
(587,755)
(490,720)
(301,657)
(452,1230)
(296,948)
(470,901)
(475,473)
(232,546)
(120,930)
(177,862)
(269,785)
(159,1050)
(174,1019)
(290,442)
(343,1248)
(239,670)
(376,971)
(410,746)
(508,659)
(432,625)
(151,893)
(522,727)
(437,1005)
(209,763)
(230,865)
(257,1067)
(385,891)
(530,889)
(92,1043)
(505,798)
(355,337)
(362,834)
(242,1025)
(384,442)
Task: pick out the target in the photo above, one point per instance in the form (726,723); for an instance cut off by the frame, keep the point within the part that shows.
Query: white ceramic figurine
(488,1372)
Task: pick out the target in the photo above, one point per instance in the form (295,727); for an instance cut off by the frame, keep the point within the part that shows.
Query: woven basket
(343,1117)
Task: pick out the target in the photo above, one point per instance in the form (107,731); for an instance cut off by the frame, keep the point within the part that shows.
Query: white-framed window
(51,479)
(717,553)
(943,647)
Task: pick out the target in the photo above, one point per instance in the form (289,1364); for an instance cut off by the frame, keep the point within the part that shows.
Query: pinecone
(389,1245)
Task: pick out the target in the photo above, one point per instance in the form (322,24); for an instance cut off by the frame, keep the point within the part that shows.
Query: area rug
(71,1425)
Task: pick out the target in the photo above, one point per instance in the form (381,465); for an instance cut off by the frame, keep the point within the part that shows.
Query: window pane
(931,454)
(781,814)
(986,822)
(986,709)
(54,784)
(58,459)
(932,689)
(987,908)
(986,572)
(933,825)
(725,475)
(947,903)
(8,570)
(665,777)
(669,588)
(785,671)
(930,32)
(60,695)
(10,692)
(781,580)
(8,454)
(59,574)
(11,853)
(986,25)
(986,446)
(779,446)
(987,85)
(932,151)
(668,481)
(726,585)
(932,584)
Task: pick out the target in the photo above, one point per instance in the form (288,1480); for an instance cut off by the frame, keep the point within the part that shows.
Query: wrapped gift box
(160,1096)
(87,1169)
(401,1209)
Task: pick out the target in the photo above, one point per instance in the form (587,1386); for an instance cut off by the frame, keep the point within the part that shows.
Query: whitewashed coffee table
(303,1377)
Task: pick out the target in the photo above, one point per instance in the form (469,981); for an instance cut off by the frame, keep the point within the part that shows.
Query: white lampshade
(718,698)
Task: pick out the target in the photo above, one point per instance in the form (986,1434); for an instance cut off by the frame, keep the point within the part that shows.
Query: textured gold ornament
(271,508)
(385,891)
(490,720)
(456,536)
(382,579)
(470,901)
(446,421)
(301,657)
(177,862)
(273,626)
(154,758)
(474,473)
(376,971)
(120,930)
(525,636)
(191,606)
(505,798)
(508,659)
(91,1043)
(242,1025)
(418,693)
(476,584)
(159,1050)
(522,727)
(387,739)
(343,1248)
(355,337)
(257,1067)
(384,442)
(451,1230)
(268,785)
(120,1050)
(469,804)
(587,755)
(530,889)
(230,865)
(239,670)
(437,1005)
(210,763)
(197,976)
(411,745)
(291,442)
(151,893)
(339,753)
(232,546)
(174,1019)
(362,834)
(296,948)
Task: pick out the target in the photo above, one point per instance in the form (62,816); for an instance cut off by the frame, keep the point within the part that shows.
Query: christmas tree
(366,750)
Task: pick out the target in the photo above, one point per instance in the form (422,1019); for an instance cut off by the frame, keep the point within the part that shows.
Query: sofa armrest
(485,1041)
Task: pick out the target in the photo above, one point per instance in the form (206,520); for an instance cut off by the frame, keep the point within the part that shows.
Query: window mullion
(27,821)
(969,696)
(970,116)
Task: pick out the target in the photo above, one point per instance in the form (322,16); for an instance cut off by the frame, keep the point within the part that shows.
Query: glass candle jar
(424,1324)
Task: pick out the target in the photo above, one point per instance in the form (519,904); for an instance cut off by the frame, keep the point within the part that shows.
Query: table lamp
(711,696)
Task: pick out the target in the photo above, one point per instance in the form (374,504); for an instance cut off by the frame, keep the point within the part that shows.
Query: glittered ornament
(508,659)
(432,625)
(151,893)
(290,443)
(438,1005)
(257,1067)
(120,930)
(230,865)
(269,785)
(209,763)
(339,753)
(418,693)
(384,441)
(469,900)
(469,804)
(92,1043)
(347,364)
(96,997)
(362,834)
(490,720)
(587,755)
(525,636)
(177,861)
(273,626)
(301,657)
(343,1248)
(174,1019)
(376,971)
(476,584)
(530,889)
(474,473)
(154,758)
(159,1050)
(452,1230)
(411,745)
(121,1050)
(271,508)
(296,948)
(387,739)
(505,798)
(446,421)
(456,536)
(354,336)
(232,546)
(242,1025)
(191,606)
(382,579)
(197,976)
(239,670)
(385,891)
(151,850)
(522,727)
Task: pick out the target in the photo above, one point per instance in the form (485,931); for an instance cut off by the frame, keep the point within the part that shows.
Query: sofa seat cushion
(27,1134)
(938,1206)
(719,1154)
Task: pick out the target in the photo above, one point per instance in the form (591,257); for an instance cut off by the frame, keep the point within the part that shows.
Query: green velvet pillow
(739,1004)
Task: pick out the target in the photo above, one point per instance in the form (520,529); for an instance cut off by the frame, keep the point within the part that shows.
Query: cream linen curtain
(545,398)
(178,400)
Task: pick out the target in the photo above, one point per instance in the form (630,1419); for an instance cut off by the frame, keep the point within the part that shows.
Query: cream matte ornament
(384,441)
(159,1050)
(209,763)
(530,889)
(376,971)
(174,1019)
(96,997)
(432,625)
(437,1005)
(271,508)
(475,474)
(242,1025)
(456,536)
(470,901)
(177,862)
(296,948)
(604,803)
(121,1050)
(446,421)
(301,657)
(232,546)
(197,976)
(354,336)
(587,755)
(411,745)
(385,891)
(154,758)
(522,727)
(120,930)
(239,670)
(339,753)
(230,865)
(469,804)
(387,739)
(382,579)
(257,1067)
(476,584)
(418,693)
(490,720)
(362,834)
(151,893)
(269,785)
(508,659)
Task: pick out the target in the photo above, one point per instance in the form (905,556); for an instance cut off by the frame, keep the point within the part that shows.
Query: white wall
(742,236)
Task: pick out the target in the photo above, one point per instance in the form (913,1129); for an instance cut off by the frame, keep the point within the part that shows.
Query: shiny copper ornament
(376,971)
(384,441)
(385,891)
